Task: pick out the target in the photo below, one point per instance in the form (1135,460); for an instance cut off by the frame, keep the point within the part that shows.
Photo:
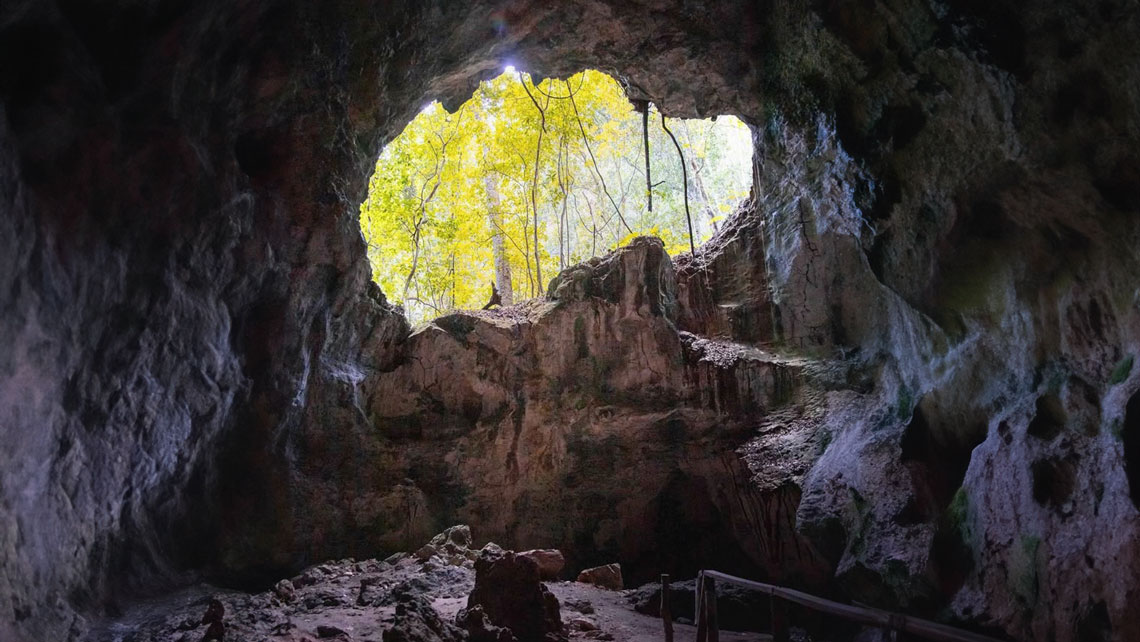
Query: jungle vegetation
(524,180)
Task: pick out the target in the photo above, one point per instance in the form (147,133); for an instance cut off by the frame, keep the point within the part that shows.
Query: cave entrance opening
(484,205)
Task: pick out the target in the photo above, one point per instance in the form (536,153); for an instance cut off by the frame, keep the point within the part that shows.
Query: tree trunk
(502,265)
(702,196)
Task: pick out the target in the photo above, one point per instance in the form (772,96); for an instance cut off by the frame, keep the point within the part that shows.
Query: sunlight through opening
(525,180)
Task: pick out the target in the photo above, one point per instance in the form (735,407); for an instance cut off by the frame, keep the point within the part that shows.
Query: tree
(498,250)
(526,179)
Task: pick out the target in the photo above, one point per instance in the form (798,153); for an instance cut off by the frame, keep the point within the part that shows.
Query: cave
(204,393)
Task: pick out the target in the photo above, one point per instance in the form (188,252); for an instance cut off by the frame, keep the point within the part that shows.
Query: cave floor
(330,604)
(614,615)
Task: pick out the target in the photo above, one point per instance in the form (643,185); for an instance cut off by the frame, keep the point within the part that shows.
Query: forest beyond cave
(523,180)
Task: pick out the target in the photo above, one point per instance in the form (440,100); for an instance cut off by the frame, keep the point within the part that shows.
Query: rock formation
(585,420)
(550,562)
(904,372)
(608,576)
(510,594)
(417,621)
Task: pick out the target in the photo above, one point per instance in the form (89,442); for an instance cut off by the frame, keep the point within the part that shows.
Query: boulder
(285,591)
(509,591)
(417,621)
(550,562)
(608,576)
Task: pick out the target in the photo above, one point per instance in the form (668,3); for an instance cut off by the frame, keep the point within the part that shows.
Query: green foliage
(542,177)
(1121,371)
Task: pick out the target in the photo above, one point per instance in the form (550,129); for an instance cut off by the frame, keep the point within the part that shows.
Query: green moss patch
(1121,371)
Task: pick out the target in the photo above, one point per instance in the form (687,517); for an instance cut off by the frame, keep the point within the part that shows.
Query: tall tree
(528,178)
(498,250)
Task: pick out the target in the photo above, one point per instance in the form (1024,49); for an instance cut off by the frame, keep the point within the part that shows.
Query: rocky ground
(374,600)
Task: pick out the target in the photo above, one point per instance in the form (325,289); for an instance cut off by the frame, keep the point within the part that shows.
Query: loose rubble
(446,591)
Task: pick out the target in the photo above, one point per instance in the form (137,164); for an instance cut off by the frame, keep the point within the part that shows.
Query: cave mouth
(486,204)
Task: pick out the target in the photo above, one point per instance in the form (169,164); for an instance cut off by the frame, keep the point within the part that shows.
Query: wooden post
(701,613)
(780,632)
(666,615)
(710,610)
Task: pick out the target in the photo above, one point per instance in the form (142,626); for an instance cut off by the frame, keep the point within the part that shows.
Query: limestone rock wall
(171,284)
(588,422)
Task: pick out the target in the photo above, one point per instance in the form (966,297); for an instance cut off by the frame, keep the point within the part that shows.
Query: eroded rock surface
(509,592)
(583,418)
(550,562)
(608,576)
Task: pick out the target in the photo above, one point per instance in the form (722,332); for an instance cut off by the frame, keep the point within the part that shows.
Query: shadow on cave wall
(1130,436)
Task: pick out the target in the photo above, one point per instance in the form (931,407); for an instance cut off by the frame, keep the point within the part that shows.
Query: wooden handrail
(860,614)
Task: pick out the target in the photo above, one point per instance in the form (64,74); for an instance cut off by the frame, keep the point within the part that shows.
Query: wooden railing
(708,627)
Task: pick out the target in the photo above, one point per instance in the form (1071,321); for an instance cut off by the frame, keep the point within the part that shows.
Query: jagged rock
(285,590)
(452,546)
(417,621)
(479,628)
(608,576)
(454,539)
(550,562)
(509,591)
(637,277)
